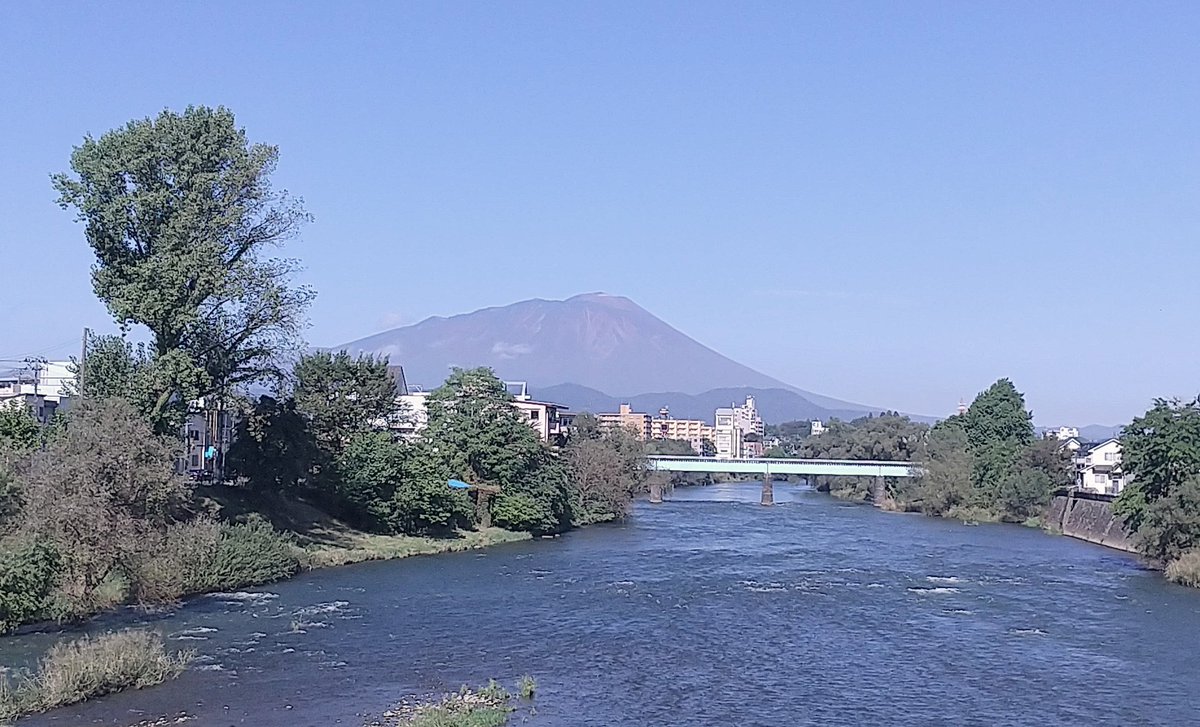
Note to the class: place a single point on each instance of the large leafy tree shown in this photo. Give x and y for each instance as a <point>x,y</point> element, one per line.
<point>394,486</point>
<point>115,367</point>
<point>944,480</point>
<point>341,395</point>
<point>605,473</point>
<point>889,436</point>
<point>1169,526</point>
<point>998,428</point>
<point>181,215</point>
<point>479,438</point>
<point>274,449</point>
<point>1161,451</point>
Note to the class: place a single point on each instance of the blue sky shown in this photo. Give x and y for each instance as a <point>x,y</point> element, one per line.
<point>893,203</point>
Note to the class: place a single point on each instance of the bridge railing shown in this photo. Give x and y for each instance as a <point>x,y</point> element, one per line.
<point>765,465</point>
<point>774,460</point>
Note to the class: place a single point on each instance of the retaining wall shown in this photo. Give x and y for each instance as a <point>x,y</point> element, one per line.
<point>1090,518</point>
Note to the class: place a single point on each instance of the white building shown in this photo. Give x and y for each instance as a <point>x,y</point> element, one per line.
<point>414,413</point>
<point>727,435</point>
<point>738,431</point>
<point>545,417</point>
<point>42,386</point>
<point>1062,433</point>
<point>746,418</point>
<point>1098,468</point>
<point>817,427</point>
<point>549,420</point>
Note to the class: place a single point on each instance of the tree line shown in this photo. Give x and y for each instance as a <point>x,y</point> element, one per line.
<point>984,464</point>
<point>329,439</point>
<point>1160,457</point>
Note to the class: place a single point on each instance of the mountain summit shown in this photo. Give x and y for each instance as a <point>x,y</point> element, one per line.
<point>604,342</point>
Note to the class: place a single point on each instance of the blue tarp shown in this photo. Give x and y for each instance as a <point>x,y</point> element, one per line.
<point>458,484</point>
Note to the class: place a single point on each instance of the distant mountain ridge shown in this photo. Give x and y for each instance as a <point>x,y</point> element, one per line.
<point>597,343</point>
<point>775,405</point>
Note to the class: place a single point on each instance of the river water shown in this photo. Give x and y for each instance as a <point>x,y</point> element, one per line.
<point>706,610</point>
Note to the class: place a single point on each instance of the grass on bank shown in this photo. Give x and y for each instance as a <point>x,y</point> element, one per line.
<point>489,706</point>
<point>1185,570</point>
<point>327,542</point>
<point>365,546</point>
<point>89,667</point>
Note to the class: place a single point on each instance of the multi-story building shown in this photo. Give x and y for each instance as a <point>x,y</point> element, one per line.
<point>748,441</point>
<point>747,418</point>
<point>817,428</point>
<point>1098,468</point>
<point>639,423</point>
<point>1062,433</point>
<point>549,420</point>
<point>727,435</point>
<point>207,433</point>
<point>692,431</point>
<point>545,417</point>
<point>42,386</point>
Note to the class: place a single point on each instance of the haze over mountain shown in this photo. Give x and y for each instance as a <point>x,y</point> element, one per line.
<point>775,405</point>
<point>605,346</point>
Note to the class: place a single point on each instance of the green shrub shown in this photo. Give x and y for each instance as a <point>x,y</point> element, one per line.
<point>90,667</point>
<point>520,511</point>
<point>251,553</point>
<point>179,565</point>
<point>428,506</point>
<point>28,573</point>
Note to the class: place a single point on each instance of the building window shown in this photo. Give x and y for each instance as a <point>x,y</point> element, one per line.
<point>1101,478</point>
<point>535,415</point>
<point>1109,457</point>
<point>195,460</point>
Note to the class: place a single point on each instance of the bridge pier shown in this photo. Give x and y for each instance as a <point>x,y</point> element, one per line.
<point>768,489</point>
<point>656,493</point>
<point>878,492</point>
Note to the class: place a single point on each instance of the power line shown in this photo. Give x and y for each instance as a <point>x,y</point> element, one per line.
<point>55,347</point>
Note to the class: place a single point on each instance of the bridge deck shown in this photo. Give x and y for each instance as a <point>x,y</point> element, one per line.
<point>827,467</point>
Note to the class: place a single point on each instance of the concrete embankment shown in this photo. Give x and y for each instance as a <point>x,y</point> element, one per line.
<point>1089,517</point>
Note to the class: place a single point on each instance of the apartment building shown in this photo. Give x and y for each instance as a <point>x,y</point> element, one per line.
<point>639,423</point>
<point>692,431</point>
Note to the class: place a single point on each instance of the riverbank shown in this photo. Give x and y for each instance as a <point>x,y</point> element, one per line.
<point>87,667</point>
<point>323,541</point>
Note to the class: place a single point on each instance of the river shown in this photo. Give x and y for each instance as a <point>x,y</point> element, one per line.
<point>706,610</point>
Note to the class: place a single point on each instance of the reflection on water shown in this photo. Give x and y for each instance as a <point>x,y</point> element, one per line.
<point>707,610</point>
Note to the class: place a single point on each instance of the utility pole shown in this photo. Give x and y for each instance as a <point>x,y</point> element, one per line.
<point>83,361</point>
<point>34,364</point>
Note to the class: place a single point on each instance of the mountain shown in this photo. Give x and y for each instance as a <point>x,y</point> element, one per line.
<point>1098,432</point>
<point>598,341</point>
<point>775,405</point>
